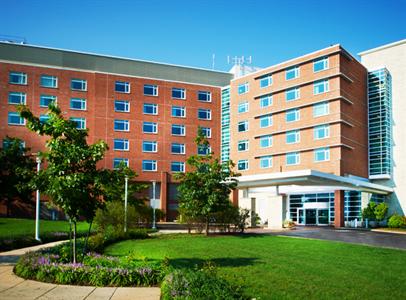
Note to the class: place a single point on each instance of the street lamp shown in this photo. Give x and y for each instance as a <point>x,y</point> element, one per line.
<point>125,203</point>
<point>38,159</point>
<point>153,204</point>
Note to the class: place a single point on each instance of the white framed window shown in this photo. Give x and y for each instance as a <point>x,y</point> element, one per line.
<point>320,109</point>
<point>117,161</point>
<point>150,90</point>
<point>149,165</point>
<point>49,81</point>
<point>80,122</point>
<point>7,143</point>
<point>45,100</point>
<point>18,78</point>
<point>243,126</point>
<point>204,114</point>
<point>320,87</point>
<point>265,162</point>
<point>121,145</point>
<point>150,109</point>
<point>149,146</point>
<point>243,107</point>
<point>122,87</point>
<point>78,84</point>
<point>292,94</point>
<point>121,106</point>
<point>292,115</point>
<point>320,64</point>
<point>321,132</point>
<point>265,141</point>
<point>265,81</point>
<point>177,166</point>
<point>178,93</point>
<point>177,148</point>
<point>150,127</point>
<point>292,158</point>
<point>243,145</point>
<point>178,111</point>
<point>14,118</point>
<point>203,150</point>
<point>265,121</point>
<point>292,73</point>
<point>178,129</point>
<point>78,104</point>
<point>265,101</point>
<point>206,132</point>
<point>17,98</point>
<point>242,165</point>
<point>121,125</point>
<point>292,137</point>
<point>43,118</point>
<point>322,154</point>
<point>204,96</point>
<point>243,88</point>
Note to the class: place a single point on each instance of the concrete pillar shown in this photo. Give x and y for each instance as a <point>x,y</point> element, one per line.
<point>338,209</point>
<point>164,192</point>
<point>253,212</point>
<point>234,197</point>
<point>275,220</point>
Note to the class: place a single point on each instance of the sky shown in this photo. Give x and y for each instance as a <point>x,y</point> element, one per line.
<point>190,32</point>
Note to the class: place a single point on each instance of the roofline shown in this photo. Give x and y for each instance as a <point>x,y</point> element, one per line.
<point>382,47</point>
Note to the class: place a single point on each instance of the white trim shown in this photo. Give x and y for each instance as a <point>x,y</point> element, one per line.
<point>382,47</point>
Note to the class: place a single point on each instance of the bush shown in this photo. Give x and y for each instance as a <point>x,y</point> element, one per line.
<point>380,211</point>
<point>396,221</point>
<point>369,211</point>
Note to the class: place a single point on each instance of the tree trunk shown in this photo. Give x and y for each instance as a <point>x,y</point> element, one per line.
<point>87,237</point>
<point>8,206</point>
<point>207,226</point>
<point>70,239</point>
<point>74,242</point>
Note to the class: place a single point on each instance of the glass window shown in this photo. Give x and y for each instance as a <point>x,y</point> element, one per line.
<point>17,98</point>
<point>45,100</point>
<point>265,162</point>
<point>320,87</point>
<point>121,106</point>
<point>78,84</point>
<point>150,127</point>
<point>243,107</point>
<point>80,122</point>
<point>265,81</point>
<point>242,126</point>
<point>292,158</point>
<point>321,132</point>
<point>243,88</point>
<point>321,154</point>
<point>203,150</point>
<point>49,81</point>
<point>122,87</point>
<point>265,121</point>
<point>18,78</point>
<point>204,114</point>
<point>178,111</point>
<point>177,166</point>
<point>43,118</point>
<point>178,93</point>
<point>78,103</point>
<point>292,73</point>
<point>320,64</point>
<point>150,90</point>
<point>265,101</point>
<point>242,145</point>
<point>149,146</point>
<point>178,129</point>
<point>177,148</point>
<point>121,125</point>
<point>292,94</point>
<point>149,165</point>
<point>242,165</point>
<point>7,143</point>
<point>118,161</point>
<point>204,96</point>
<point>15,119</point>
<point>292,115</point>
<point>265,141</point>
<point>150,109</point>
<point>206,132</point>
<point>292,137</point>
<point>320,109</point>
<point>121,145</point>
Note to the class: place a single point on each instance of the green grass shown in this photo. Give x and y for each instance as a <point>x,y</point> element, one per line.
<point>272,267</point>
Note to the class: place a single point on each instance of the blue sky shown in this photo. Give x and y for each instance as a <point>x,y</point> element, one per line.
<point>189,32</point>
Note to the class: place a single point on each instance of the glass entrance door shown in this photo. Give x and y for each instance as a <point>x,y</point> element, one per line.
<point>322,216</point>
<point>300,219</point>
<point>311,216</point>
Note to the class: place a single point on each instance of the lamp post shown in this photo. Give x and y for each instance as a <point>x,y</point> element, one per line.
<point>125,203</point>
<point>37,203</point>
<point>153,204</point>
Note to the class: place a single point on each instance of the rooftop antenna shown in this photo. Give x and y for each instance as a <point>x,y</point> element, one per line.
<point>241,62</point>
<point>12,39</point>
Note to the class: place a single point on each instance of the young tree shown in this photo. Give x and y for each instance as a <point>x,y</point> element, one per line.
<point>206,188</point>
<point>17,169</point>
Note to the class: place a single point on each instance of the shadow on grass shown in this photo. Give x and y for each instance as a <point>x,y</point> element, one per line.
<point>219,262</point>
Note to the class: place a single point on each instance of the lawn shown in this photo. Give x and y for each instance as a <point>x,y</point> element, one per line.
<point>272,267</point>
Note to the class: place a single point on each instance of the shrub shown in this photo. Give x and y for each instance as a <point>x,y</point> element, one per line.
<point>396,221</point>
<point>380,211</point>
<point>369,211</point>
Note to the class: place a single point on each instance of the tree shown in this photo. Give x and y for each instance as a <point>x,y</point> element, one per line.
<point>380,211</point>
<point>71,178</point>
<point>205,189</point>
<point>17,169</point>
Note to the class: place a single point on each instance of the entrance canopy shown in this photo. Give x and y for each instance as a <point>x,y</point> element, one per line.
<point>312,178</point>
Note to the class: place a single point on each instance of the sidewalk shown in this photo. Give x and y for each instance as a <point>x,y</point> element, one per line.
<point>14,287</point>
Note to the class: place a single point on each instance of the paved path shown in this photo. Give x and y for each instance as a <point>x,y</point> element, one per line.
<point>13,287</point>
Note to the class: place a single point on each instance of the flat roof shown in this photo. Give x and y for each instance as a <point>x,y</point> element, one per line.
<point>83,61</point>
<point>390,45</point>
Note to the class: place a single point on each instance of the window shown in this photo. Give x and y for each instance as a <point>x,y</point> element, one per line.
<point>242,126</point>
<point>203,150</point>
<point>178,93</point>
<point>243,107</point>
<point>265,81</point>
<point>122,87</point>
<point>177,148</point>
<point>292,115</point>
<point>265,162</point>
<point>121,145</point>
<point>15,119</point>
<point>149,146</point>
<point>243,88</point>
<point>17,98</point>
<point>292,94</point>
<point>45,100</point>
<point>150,90</point>
<point>43,118</point>
<point>320,64</point>
<point>321,132</point>
<point>178,129</point>
<point>121,125</point>
<point>292,158</point>
<point>242,145</point>
<point>320,109</point>
<point>178,111</point>
<point>265,121</point>
<point>118,161</point>
<point>265,101</point>
<point>18,78</point>
<point>78,84</point>
<point>292,137</point>
<point>8,143</point>
<point>242,164</point>
<point>204,96</point>
<point>321,154</point>
<point>149,165</point>
<point>292,73</point>
<point>320,87</point>
<point>150,127</point>
<point>121,106</point>
<point>80,122</point>
<point>206,132</point>
<point>78,103</point>
<point>265,141</point>
<point>177,166</point>
<point>49,81</point>
<point>204,114</point>
<point>150,109</point>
